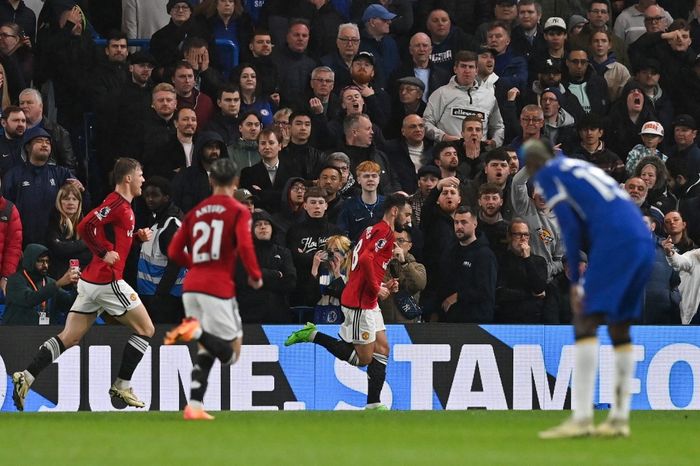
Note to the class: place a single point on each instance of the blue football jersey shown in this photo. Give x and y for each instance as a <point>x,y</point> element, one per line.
<point>594,212</point>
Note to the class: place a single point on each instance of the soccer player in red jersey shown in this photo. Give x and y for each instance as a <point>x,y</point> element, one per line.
<point>108,231</point>
<point>363,334</point>
<point>213,235</point>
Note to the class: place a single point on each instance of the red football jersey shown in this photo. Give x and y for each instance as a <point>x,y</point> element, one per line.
<point>215,232</point>
<point>108,227</point>
<point>370,258</point>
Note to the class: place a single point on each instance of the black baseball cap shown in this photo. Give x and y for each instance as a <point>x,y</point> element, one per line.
<point>429,170</point>
<point>685,120</point>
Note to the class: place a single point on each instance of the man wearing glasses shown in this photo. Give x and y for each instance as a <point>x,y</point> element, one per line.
<point>631,22</point>
<point>340,61</point>
<point>590,89</point>
<point>598,20</point>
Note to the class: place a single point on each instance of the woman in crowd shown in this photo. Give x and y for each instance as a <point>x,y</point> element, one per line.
<point>246,78</point>
<point>62,237</point>
<point>13,43</point>
<point>653,171</point>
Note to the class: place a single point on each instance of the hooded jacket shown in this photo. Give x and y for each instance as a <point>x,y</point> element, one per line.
<point>22,303</point>
<point>286,217</point>
<point>449,104</point>
<point>269,304</point>
<point>191,185</point>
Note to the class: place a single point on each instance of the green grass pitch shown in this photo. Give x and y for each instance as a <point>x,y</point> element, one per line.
<point>337,438</point>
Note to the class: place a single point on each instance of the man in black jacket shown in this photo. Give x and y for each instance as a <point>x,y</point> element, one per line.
<point>178,151</point>
<point>14,124</point>
<point>409,153</point>
<point>421,66</point>
<point>522,279</point>
<point>469,293</point>
<point>191,185</point>
<point>225,121</point>
<point>269,304</point>
<point>306,157</point>
<point>294,66</point>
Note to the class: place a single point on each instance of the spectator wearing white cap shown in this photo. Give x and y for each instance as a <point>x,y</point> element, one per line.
<point>652,134</point>
<point>555,38</point>
<point>375,39</point>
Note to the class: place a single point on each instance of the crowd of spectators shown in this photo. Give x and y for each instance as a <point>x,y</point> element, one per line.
<point>333,105</point>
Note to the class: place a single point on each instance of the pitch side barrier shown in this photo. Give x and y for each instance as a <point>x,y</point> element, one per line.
<point>431,367</point>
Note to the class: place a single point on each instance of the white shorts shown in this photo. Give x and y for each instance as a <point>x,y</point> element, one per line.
<point>115,298</point>
<point>361,325</point>
<point>217,316</point>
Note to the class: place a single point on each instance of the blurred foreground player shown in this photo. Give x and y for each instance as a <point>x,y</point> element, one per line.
<point>212,236</point>
<point>108,231</point>
<point>596,217</point>
<point>363,334</point>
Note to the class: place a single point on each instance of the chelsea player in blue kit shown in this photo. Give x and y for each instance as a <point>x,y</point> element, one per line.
<point>597,217</point>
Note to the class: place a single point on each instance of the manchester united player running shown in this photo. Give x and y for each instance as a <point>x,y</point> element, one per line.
<point>363,334</point>
<point>214,233</point>
<point>101,288</point>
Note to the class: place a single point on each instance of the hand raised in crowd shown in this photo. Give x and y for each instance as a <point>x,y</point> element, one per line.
<point>366,90</point>
<point>399,254</point>
<point>316,105</point>
<point>669,247</point>
<point>448,137</point>
<point>275,99</point>
<point>69,278</point>
<point>76,182</point>
<point>512,94</point>
<point>448,181</point>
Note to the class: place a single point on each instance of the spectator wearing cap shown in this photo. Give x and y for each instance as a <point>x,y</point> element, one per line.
<point>294,65</point>
<point>421,67</point>
<point>401,26</point>
<point>340,60</point>
<point>647,75</point>
<point>598,16</point>
<point>559,125</point>
<point>510,66</point>
<point>165,43</point>
<point>245,197</point>
<point>554,33</point>
<point>375,39</point>
<point>410,152</point>
<point>363,72</point>
<point>626,118</point>
<point>191,185</point>
<point>684,157</point>
<point>410,102</point>
<point>528,35</point>
<point>33,186</point>
<point>652,134</point>
<point>463,96</point>
<point>630,23</point>
<point>592,148</point>
<point>549,75</point>
<point>466,14</point>
<point>581,80</point>
<point>605,64</point>
<point>446,40</point>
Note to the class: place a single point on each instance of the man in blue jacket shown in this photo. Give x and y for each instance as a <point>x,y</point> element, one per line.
<point>33,186</point>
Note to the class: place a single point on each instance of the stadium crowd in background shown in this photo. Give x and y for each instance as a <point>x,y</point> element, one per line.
<point>336,104</point>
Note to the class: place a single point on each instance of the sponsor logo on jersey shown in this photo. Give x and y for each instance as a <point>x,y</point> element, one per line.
<point>103,213</point>
<point>25,183</point>
<point>467,264</point>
